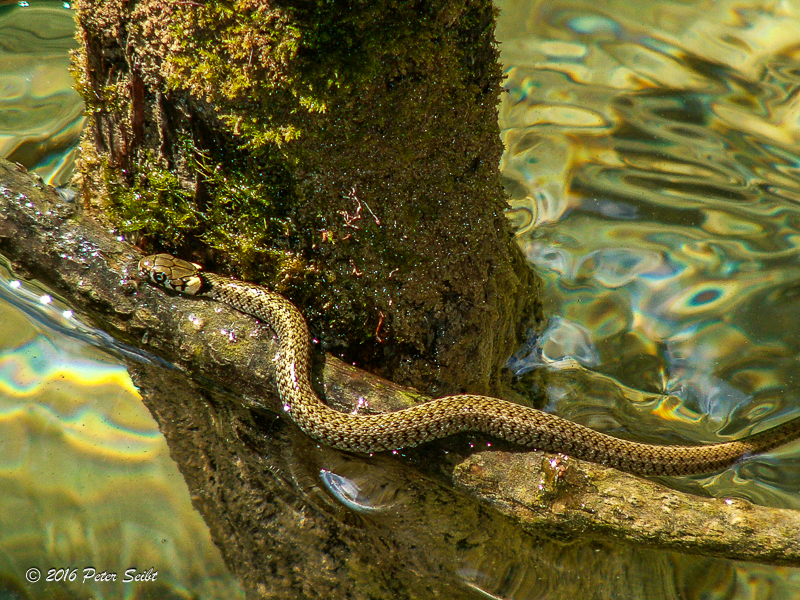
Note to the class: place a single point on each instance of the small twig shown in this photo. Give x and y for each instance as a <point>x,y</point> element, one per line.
<point>378,337</point>
<point>350,219</point>
<point>377,220</point>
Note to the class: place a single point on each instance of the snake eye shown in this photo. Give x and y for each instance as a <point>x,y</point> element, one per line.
<point>159,277</point>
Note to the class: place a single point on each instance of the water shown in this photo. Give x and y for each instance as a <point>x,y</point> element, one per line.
<point>41,116</point>
<point>86,481</point>
<point>651,160</point>
<point>651,157</point>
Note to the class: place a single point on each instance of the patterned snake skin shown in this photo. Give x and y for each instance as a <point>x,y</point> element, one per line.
<point>444,416</point>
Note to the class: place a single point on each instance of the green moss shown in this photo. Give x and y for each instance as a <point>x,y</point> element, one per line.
<point>266,76</point>
<point>239,57</point>
<point>157,203</point>
<point>238,212</point>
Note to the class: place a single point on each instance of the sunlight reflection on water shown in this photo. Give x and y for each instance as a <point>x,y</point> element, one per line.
<point>86,479</point>
<point>651,157</point>
<point>645,160</point>
<point>41,116</point>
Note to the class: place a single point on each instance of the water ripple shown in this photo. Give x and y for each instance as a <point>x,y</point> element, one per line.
<point>664,216</point>
<point>41,116</point>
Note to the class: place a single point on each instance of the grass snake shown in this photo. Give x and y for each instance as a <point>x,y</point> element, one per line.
<point>441,417</point>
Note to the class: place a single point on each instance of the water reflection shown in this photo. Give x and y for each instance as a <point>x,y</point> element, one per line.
<point>361,488</point>
<point>651,156</point>
<point>41,116</point>
<point>85,476</point>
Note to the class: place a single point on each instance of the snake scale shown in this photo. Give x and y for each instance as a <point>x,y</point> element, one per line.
<point>441,417</point>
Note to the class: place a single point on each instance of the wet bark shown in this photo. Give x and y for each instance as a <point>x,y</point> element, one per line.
<point>258,481</point>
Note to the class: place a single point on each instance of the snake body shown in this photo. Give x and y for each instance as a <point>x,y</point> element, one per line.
<point>441,417</point>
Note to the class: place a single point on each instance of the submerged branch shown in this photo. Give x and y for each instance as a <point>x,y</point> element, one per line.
<point>571,499</point>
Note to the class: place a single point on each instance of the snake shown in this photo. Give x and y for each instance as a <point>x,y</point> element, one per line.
<point>517,424</point>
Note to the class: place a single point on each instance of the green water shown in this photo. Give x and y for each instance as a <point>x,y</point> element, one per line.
<point>651,157</point>
<point>41,116</point>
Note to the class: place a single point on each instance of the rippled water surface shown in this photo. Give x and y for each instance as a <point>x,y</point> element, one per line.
<point>652,157</point>
<point>652,160</point>
<point>86,480</point>
<point>41,116</point>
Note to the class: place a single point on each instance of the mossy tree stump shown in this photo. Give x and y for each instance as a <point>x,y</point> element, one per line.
<point>344,152</point>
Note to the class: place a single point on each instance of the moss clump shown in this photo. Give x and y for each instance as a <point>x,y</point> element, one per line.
<point>239,58</point>
<point>156,203</point>
<point>231,211</point>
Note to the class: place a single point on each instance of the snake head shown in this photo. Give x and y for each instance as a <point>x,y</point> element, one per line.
<point>171,273</point>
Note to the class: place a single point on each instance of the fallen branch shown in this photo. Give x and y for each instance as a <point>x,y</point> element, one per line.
<point>571,499</point>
